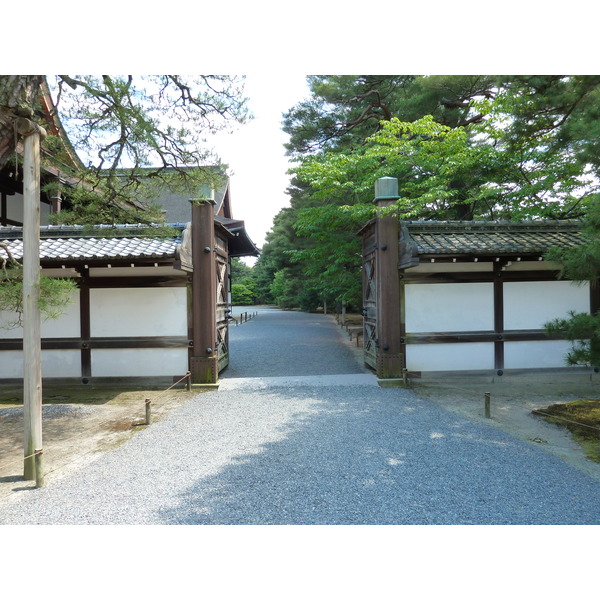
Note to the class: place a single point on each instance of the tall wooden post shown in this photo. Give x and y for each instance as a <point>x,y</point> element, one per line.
<point>204,362</point>
<point>390,360</point>
<point>32,353</point>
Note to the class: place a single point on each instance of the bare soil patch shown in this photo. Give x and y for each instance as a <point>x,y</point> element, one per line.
<point>78,425</point>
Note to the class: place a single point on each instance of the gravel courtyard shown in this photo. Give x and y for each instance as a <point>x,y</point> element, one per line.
<point>300,433</point>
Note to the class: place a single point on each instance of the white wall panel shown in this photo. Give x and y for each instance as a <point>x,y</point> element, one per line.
<point>450,357</point>
<point>67,325</point>
<point>6,320</point>
<point>55,363</point>
<point>138,312</point>
<point>140,362</point>
<point>530,304</point>
<point>449,307</point>
<point>534,355</point>
<point>61,363</point>
<point>11,364</point>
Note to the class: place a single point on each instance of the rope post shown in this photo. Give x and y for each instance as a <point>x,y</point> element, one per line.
<point>188,382</point>
<point>39,468</point>
<point>487,405</point>
<point>148,413</point>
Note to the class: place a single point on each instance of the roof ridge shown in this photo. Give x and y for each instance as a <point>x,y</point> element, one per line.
<point>500,225</point>
<point>49,231</point>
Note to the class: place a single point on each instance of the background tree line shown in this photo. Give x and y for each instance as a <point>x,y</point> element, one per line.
<point>462,147</point>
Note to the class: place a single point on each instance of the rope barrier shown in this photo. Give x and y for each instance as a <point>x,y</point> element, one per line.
<point>83,432</point>
<point>534,411</point>
<point>539,412</point>
<point>243,317</point>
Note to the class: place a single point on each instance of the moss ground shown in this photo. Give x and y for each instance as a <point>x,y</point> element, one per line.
<point>582,419</point>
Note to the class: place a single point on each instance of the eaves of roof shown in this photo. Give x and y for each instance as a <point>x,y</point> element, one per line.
<point>480,238</point>
<point>75,244</point>
<point>103,243</point>
<point>240,243</point>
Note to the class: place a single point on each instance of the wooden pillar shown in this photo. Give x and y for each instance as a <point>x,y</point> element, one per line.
<point>390,359</point>
<point>499,318</point>
<point>204,365</point>
<point>56,198</point>
<point>594,297</point>
<point>32,352</point>
<point>85,327</point>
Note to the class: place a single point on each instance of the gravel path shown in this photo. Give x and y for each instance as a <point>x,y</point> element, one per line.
<point>319,446</point>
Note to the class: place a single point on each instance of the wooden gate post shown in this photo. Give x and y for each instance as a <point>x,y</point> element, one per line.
<point>390,359</point>
<point>204,360</point>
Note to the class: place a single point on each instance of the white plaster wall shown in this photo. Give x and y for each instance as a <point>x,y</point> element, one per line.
<point>138,312</point>
<point>530,304</point>
<point>11,364</point>
<point>139,362</point>
<point>55,363</point>
<point>450,357</point>
<point>61,363</point>
<point>449,307</point>
<point>6,319</point>
<point>532,355</point>
<point>67,325</point>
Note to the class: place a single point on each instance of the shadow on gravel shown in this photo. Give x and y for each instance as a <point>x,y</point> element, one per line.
<point>395,460</point>
<point>11,479</point>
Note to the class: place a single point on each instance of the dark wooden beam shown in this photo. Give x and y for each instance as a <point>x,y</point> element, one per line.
<point>594,297</point>
<point>89,344</point>
<point>499,316</point>
<point>85,322</point>
<point>457,337</point>
<point>478,276</point>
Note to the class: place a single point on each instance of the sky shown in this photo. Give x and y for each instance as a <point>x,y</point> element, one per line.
<point>255,152</point>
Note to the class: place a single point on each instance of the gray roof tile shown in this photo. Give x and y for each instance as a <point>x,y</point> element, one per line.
<point>75,245</point>
<point>485,237</point>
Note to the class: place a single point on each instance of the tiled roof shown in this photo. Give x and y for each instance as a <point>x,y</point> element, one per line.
<point>498,237</point>
<point>77,243</point>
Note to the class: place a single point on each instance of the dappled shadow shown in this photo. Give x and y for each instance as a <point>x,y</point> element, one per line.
<point>11,478</point>
<point>395,459</point>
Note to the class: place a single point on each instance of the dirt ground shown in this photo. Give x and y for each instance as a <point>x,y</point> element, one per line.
<point>78,426</point>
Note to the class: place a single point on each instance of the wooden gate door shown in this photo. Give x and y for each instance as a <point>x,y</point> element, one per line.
<point>370,297</point>
<point>222,302</point>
